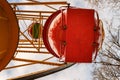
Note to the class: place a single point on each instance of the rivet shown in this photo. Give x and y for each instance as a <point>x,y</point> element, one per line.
<point>95,28</point>
<point>64,43</point>
<point>95,44</point>
<point>64,27</point>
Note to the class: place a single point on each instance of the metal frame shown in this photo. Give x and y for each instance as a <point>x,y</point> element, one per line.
<point>29,43</point>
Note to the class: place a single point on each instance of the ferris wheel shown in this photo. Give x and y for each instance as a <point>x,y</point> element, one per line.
<point>49,40</point>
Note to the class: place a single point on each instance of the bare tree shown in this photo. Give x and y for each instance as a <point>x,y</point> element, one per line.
<point>107,65</point>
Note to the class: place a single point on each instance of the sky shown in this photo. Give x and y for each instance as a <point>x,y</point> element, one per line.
<point>79,71</point>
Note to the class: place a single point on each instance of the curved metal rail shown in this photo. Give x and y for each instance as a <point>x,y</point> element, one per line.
<point>39,74</point>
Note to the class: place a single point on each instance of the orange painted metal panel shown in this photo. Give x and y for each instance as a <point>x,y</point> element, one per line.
<point>9,33</point>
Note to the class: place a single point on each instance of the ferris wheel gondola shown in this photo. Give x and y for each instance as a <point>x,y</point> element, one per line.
<point>34,30</point>
<point>9,33</point>
<point>73,34</point>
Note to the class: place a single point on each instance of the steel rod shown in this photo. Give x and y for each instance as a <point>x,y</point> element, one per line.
<point>34,15</point>
<point>19,66</point>
<point>39,3</point>
<point>28,47</point>
<point>25,51</point>
<point>34,11</point>
<point>37,61</point>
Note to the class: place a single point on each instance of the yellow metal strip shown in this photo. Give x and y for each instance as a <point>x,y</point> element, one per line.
<point>40,62</point>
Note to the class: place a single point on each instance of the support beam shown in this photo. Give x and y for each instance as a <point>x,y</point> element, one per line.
<point>24,40</point>
<point>23,18</point>
<point>28,40</point>
<point>28,47</point>
<point>39,3</point>
<point>29,19</point>
<point>41,62</point>
<point>25,51</point>
<point>33,11</point>
<point>22,65</point>
<point>34,15</point>
<point>19,66</point>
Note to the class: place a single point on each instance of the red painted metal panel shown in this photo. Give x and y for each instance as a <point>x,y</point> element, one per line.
<point>79,35</point>
<point>46,32</point>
